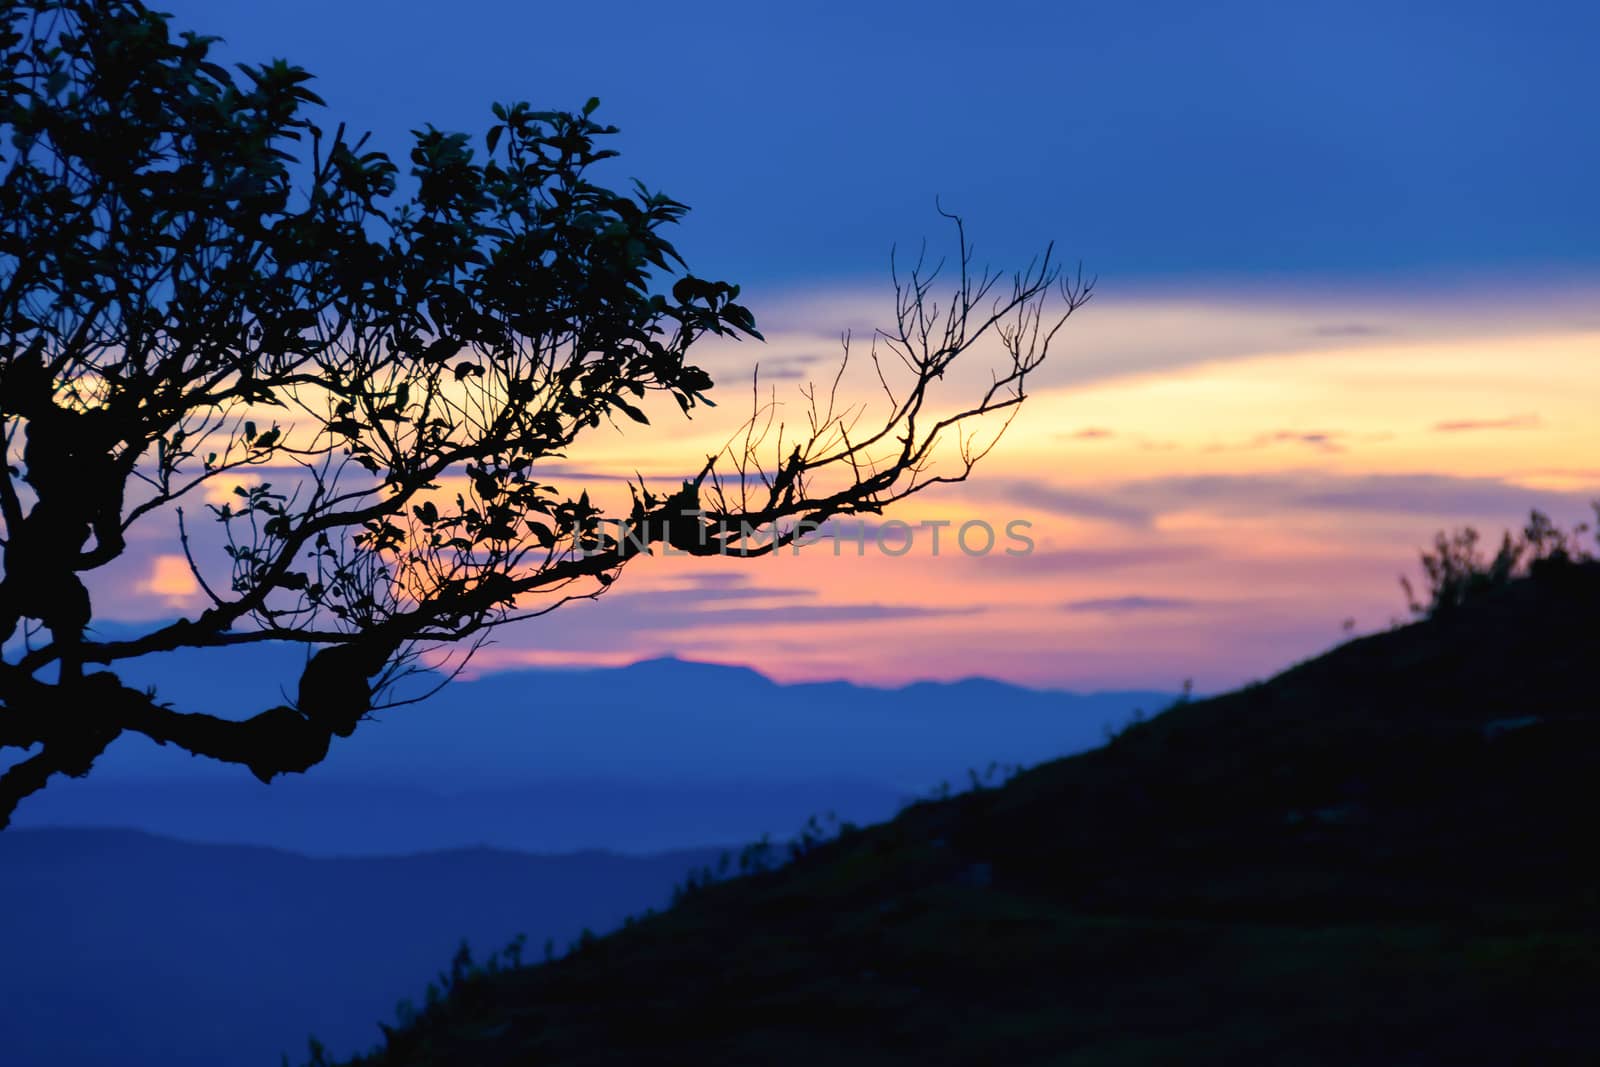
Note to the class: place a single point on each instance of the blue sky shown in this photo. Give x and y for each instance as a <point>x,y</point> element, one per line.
<point>1232,143</point>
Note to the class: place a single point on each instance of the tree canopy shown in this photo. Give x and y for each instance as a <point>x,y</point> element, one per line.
<point>197,279</point>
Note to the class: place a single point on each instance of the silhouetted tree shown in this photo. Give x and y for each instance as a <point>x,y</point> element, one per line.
<point>1457,572</point>
<point>196,278</point>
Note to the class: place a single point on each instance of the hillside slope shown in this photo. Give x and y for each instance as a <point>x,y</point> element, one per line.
<point>1378,856</point>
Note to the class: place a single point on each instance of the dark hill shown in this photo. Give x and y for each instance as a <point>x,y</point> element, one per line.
<point>1379,856</point>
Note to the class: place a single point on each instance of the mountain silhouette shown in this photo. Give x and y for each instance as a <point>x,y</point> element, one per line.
<point>128,950</point>
<point>556,760</point>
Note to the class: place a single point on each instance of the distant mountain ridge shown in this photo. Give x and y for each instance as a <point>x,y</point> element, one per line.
<point>336,819</point>
<point>123,949</point>
<point>656,720</point>
<point>665,753</point>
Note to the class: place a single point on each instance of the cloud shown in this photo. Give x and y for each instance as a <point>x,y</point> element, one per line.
<point>1124,604</point>
<point>1321,440</point>
<point>576,475</point>
<point>666,617</point>
<point>1510,422</point>
<point>796,359</point>
<point>1585,474</point>
<point>704,592</point>
<point>1423,494</point>
<point>1141,503</point>
<point>791,614</point>
<point>1092,433</point>
<point>715,578</point>
<point>1150,329</point>
<point>1099,560</point>
<point>1326,441</point>
<point>1068,502</point>
<point>1404,494</point>
<point>784,366</point>
<point>1350,329</point>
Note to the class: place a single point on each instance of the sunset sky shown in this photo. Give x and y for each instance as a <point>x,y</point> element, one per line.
<point>1348,260</point>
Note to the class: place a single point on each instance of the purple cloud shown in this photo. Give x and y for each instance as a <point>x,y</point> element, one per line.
<point>635,619</point>
<point>1350,329</point>
<point>1097,560</point>
<point>1410,494</point>
<point>1071,503</point>
<point>1123,604</point>
<point>1321,440</point>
